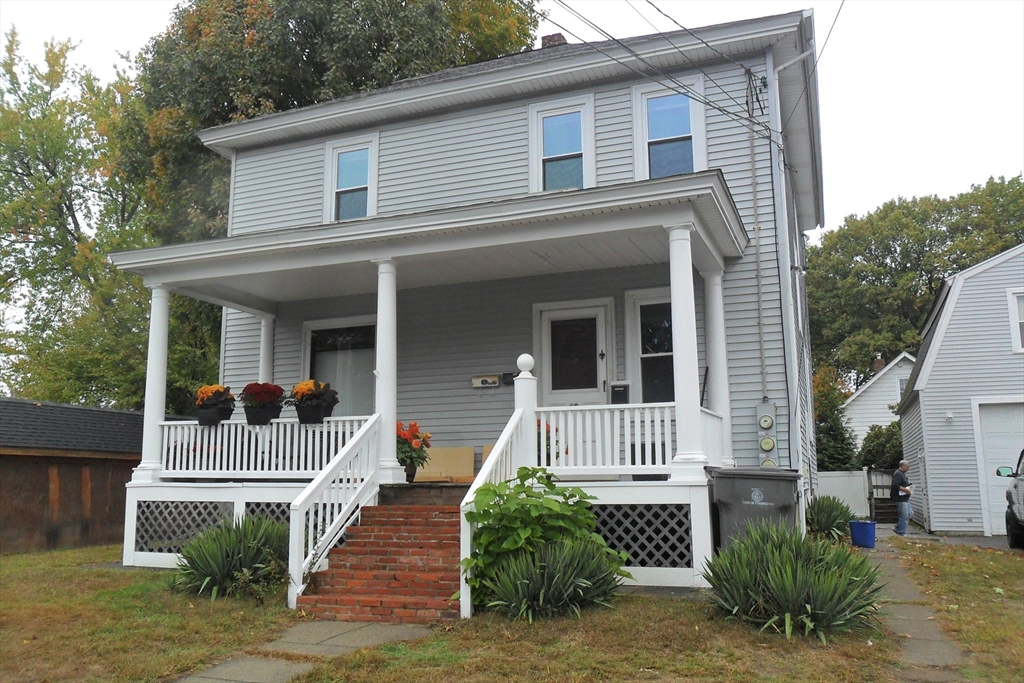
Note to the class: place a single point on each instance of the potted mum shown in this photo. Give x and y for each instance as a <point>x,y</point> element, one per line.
<point>262,402</point>
<point>313,401</point>
<point>213,404</point>
<point>412,449</point>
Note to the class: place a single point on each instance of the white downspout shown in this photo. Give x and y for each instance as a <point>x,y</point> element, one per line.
<point>790,339</point>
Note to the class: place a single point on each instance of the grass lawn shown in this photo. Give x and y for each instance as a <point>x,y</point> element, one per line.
<point>64,620</point>
<point>978,596</point>
<point>644,639</point>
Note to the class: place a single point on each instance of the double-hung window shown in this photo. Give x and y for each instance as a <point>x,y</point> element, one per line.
<point>562,144</point>
<point>350,179</point>
<point>668,131</point>
<point>1015,299</point>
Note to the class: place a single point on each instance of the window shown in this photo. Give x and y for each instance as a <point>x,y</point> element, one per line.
<point>902,385</point>
<point>649,364</point>
<point>350,179</point>
<point>1015,299</point>
<point>562,144</point>
<point>668,136</point>
<point>341,353</point>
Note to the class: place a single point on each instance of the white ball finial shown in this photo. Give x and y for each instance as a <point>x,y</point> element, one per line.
<point>525,362</point>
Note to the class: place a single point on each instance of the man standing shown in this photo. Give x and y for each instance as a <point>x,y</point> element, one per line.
<point>900,492</point>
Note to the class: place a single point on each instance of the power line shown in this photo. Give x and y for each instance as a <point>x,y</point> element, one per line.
<point>814,68</point>
<point>706,43</point>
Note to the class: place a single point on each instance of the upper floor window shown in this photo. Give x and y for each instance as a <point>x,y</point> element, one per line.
<point>902,382</point>
<point>350,179</point>
<point>668,131</point>
<point>562,144</point>
<point>1015,298</point>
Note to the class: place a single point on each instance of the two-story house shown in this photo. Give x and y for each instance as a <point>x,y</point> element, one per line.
<point>629,215</point>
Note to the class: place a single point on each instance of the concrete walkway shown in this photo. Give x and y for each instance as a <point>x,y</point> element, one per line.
<point>927,654</point>
<point>309,639</point>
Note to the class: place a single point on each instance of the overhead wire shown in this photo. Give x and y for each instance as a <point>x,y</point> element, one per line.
<point>680,87</point>
<point>815,67</point>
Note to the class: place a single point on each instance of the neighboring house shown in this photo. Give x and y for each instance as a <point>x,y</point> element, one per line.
<point>963,413</point>
<point>872,403</point>
<point>63,471</point>
<point>641,236</point>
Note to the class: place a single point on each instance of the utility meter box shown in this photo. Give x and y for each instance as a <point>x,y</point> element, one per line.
<point>767,435</point>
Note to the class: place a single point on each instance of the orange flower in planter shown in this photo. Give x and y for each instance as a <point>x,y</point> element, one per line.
<point>412,445</point>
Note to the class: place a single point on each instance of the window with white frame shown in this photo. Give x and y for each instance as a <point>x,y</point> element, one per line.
<point>562,144</point>
<point>350,179</point>
<point>1015,300</point>
<point>668,130</point>
<point>902,382</point>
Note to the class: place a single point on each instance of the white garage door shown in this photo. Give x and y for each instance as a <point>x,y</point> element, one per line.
<point>1002,438</point>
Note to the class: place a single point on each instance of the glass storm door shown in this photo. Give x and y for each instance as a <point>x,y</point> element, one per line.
<point>344,358</point>
<point>575,356</point>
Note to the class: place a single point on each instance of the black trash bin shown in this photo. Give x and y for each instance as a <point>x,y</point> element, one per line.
<point>745,494</point>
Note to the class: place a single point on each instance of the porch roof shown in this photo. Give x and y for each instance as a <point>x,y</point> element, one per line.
<point>539,233</point>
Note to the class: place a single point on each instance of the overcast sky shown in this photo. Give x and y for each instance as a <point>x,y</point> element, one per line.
<point>916,97</point>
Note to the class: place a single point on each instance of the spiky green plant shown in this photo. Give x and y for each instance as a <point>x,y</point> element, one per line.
<point>829,517</point>
<point>777,578</point>
<point>560,577</point>
<point>245,557</point>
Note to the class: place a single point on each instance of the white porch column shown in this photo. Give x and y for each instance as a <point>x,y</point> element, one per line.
<point>156,388</point>
<point>689,461</point>
<point>526,398</point>
<point>386,391</point>
<point>267,349</point>
<point>716,353</point>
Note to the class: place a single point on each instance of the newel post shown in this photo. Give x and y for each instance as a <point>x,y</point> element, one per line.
<point>526,399</point>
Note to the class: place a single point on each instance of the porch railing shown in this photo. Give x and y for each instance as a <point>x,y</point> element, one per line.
<point>284,449</point>
<point>499,466</point>
<point>331,502</point>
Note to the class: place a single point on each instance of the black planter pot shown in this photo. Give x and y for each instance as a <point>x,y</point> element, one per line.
<point>213,416</point>
<point>311,415</point>
<point>410,473</point>
<point>261,415</point>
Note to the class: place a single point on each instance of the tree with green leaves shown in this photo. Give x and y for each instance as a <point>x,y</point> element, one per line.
<point>882,448</point>
<point>835,442</point>
<point>872,282</point>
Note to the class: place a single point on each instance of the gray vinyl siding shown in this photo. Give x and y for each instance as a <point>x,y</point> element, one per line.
<point>913,446</point>
<point>241,349</point>
<point>974,358</point>
<point>482,154</point>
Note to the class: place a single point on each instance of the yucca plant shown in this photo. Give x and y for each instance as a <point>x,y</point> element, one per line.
<point>830,517</point>
<point>777,578</point>
<point>245,557</point>
<point>559,577</point>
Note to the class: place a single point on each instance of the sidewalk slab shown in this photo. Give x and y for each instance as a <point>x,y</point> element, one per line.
<point>336,638</point>
<point>250,670</point>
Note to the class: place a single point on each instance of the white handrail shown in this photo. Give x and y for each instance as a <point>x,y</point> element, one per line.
<point>331,502</point>
<point>499,466</point>
<point>283,449</point>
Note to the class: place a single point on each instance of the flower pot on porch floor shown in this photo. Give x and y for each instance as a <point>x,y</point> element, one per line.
<point>311,415</point>
<point>211,416</point>
<point>410,473</point>
<point>261,415</point>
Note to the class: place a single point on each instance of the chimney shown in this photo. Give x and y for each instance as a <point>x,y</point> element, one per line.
<point>877,364</point>
<point>554,40</point>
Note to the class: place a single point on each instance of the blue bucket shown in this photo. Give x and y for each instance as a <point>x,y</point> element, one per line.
<point>862,533</point>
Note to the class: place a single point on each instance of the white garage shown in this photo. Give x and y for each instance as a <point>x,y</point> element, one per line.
<point>999,438</point>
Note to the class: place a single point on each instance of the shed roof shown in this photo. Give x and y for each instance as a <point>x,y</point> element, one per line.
<point>59,426</point>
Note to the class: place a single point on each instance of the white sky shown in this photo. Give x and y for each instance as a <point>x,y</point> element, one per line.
<point>916,98</point>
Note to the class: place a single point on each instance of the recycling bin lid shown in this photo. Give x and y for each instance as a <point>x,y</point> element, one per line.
<point>755,473</point>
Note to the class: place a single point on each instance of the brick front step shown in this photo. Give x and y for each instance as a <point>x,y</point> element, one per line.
<point>400,565</point>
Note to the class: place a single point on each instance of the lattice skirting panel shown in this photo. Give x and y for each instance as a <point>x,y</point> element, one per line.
<point>279,512</point>
<point>164,526</point>
<point>652,535</point>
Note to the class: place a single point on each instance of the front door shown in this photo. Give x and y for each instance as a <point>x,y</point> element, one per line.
<point>575,354</point>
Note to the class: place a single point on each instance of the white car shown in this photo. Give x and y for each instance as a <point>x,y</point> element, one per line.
<point>1015,500</point>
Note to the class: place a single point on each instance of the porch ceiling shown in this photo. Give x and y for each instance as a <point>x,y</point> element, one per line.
<point>540,234</point>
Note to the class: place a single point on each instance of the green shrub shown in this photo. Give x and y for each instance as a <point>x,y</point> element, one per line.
<point>558,578</point>
<point>775,577</point>
<point>828,516</point>
<point>882,448</point>
<point>249,557</point>
<point>525,514</point>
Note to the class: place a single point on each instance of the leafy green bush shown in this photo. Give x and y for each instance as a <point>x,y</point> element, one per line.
<point>882,448</point>
<point>557,578</point>
<point>249,557</point>
<point>524,514</point>
<point>775,577</point>
<point>828,516</point>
